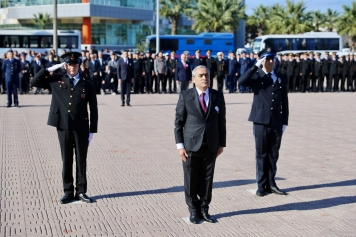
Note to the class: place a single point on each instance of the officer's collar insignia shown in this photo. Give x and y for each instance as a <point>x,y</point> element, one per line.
<point>83,96</point>
<point>72,57</point>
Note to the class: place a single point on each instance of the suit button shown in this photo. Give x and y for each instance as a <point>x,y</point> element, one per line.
<point>71,96</point>
<point>272,93</point>
<point>70,103</point>
<point>71,89</point>
<point>272,108</point>
<point>272,85</point>
<point>68,111</point>
<point>272,100</point>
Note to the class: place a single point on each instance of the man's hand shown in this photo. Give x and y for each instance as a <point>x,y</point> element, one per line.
<point>260,61</point>
<point>103,82</point>
<point>90,137</point>
<point>55,67</point>
<point>177,82</point>
<point>221,149</point>
<point>183,154</point>
<point>120,81</point>
<point>95,73</point>
<point>132,80</point>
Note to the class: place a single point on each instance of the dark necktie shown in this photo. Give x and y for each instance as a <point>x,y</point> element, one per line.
<point>72,82</point>
<point>202,102</point>
<point>270,76</point>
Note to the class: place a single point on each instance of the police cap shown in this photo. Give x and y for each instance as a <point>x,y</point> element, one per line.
<point>173,52</point>
<point>10,51</point>
<point>72,57</point>
<point>197,51</point>
<point>208,51</point>
<point>270,53</point>
<point>318,54</point>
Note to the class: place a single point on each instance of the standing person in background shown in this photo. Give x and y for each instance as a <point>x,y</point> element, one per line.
<point>11,68</point>
<point>94,72</point>
<point>148,66</point>
<point>211,65</point>
<point>352,73</point>
<point>125,74</point>
<point>325,71</point>
<point>306,72</point>
<point>269,115</point>
<point>318,66</point>
<point>291,65</point>
<point>183,74</point>
<point>24,75</point>
<point>154,75</point>
<point>2,74</point>
<point>333,73</point>
<point>36,66</point>
<point>138,73</point>
<point>29,57</point>
<point>197,60</point>
<point>245,63</point>
<point>113,64</point>
<point>221,70</point>
<point>233,72</point>
<point>161,72</point>
<point>171,66</point>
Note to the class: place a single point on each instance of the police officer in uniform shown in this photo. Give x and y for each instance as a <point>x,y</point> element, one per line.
<point>306,71</point>
<point>211,65</point>
<point>148,67</point>
<point>11,68</point>
<point>325,71</point>
<point>197,60</point>
<point>171,66</point>
<point>71,95</point>
<point>24,75</point>
<point>333,72</point>
<point>138,70</point>
<point>317,73</point>
<point>269,115</point>
<point>291,65</point>
<point>221,71</point>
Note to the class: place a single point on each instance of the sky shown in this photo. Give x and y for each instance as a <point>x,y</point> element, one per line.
<point>312,5</point>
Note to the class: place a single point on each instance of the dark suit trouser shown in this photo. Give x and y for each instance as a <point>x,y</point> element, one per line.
<point>344,79</point>
<point>148,83</point>
<point>267,142</point>
<point>137,78</point>
<point>161,79</point>
<point>322,80</point>
<point>220,80</point>
<point>24,84</point>
<point>336,82</point>
<point>198,178</point>
<point>170,79</point>
<point>290,82</point>
<point>156,83</point>
<point>125,89</point>
<point>78,141</point>
<point>232,82</point>
<point>304,82</point>
<point>12,89</point>
<point>332,77</point>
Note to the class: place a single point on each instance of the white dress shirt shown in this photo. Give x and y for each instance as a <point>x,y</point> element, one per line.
<point>76,78</point>
<point>206,99</point>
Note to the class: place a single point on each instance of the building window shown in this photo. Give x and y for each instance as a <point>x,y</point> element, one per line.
<point>189,41</point>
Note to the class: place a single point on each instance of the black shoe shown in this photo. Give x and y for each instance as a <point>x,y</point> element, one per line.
<point>67,198</point>
<point>84,198</point>
<point>8,106</point>
<point>194,217</point>
<point>123,104</point>
<point>206,217</point>
<point>261,192</point>
<point>128,103</point>
<point>17,106</point>
<point>276,190</point>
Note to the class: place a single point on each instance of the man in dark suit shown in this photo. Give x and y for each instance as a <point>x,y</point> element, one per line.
<point>11,68</point>
<point>221,71</point>
<point>233,72</point>
<point>245,63</point>
<point>183,74</point>
<point>197,60</point>
<point>94,72</point>
<point>171,65</point>
<point>125,73</point>
<point>69,114</point>
<point>269,115</point>
<point>317,73</point>
<point>24,74</point>
<point>200,134</point>
<point>37,64</point>
<point>210,64</point>
<point>290,71</point>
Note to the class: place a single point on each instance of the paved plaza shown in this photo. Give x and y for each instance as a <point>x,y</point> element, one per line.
<point>136,176</point>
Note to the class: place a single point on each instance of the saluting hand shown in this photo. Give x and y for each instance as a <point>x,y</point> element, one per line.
<point>221,149</point>
<point>183,154</point>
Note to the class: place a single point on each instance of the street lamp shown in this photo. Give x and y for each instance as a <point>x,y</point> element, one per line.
<point>55,37</point>
<point>157,26</point>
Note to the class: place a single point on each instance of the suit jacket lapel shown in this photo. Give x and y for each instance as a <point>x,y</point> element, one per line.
<point>211,101</point>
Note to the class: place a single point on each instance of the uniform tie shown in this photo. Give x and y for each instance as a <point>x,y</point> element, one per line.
<point>72,82</point>
<point>202,102</point>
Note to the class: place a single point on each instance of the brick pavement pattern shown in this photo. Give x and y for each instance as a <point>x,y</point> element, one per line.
<point>136,176</point>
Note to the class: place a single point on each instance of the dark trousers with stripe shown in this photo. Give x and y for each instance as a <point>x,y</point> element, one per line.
<point>198,178</point>
<point>267,141</point>
<point>70,142</point>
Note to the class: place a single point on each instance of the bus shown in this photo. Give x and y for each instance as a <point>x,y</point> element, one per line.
<point>311,41</point>
<point>216,42</point>
<point>40,41</point>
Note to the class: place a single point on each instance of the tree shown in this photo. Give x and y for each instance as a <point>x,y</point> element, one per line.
<point>290,20</point>
<point>173,10</point>
<point>259,19</point>
<point>317,20</point>
<point>346,23</point>
<point>42,20</point>
<point>331,18</point>
<point>218,15</point>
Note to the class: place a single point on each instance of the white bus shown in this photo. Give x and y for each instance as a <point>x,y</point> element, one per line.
<point>39,40</point>
<point>311,41</point>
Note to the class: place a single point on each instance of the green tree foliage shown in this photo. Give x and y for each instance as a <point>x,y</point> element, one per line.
<point>317,20</point>
<point>42,19</point>
<point>217,15</point>
<point>330,18</point>
<point>173,10</point>
<point>346,24</point>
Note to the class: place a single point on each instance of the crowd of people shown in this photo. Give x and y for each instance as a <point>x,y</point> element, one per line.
<point>171,73</point>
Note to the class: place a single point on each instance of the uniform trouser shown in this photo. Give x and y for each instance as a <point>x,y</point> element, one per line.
<point>198,178</point>
<point>125,89</point>
<point>349,82</point>
<point>148,82</point>
<point>296,81</point>
<point>3,83</point>
<point>137,78</point>
<point>336,82</point>
<point>290,81</point>
<point>212,75</point>
<point>97,83</point>
<point>220,81</point>
<point>155,82</point>
<point>161,78</point>
<point>322,80</point>
<point>332,78</point>
<point>170,79</point>
<point>267,142</point>
<point>312,82</point>
<point>227,81</point>
<point>78,141</point>
<point>303,82</point>
<point>142,84</point>
<point>344,79</point>
<point>12,89</point>
<point>24,84</point>
<point>232,82</point>
<point>183,86</point>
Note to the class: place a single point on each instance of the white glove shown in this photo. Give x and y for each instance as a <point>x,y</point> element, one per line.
<point>284,128</point>
<point>55,67</point>
<point>112,80</point>
<point>90,137</point>
<point>259,62</point>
